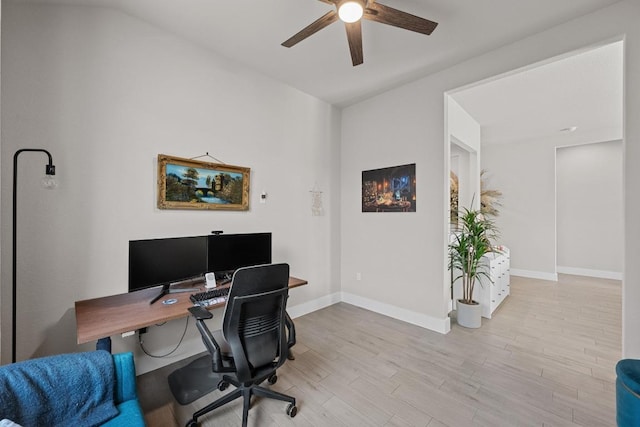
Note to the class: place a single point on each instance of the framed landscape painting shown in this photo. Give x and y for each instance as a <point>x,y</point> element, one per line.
<point>192,184</point>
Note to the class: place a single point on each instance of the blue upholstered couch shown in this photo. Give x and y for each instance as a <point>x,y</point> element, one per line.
<point>628,393</point>
<point>79,389</point>
<point>125,394</point>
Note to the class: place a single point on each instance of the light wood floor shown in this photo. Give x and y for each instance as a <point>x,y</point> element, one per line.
<point>547,358</point>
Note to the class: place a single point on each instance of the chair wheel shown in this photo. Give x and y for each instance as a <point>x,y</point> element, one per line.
<point>292,410</point>
<point>222,386</point>
<point>272,379</point>
<point>192,423</point>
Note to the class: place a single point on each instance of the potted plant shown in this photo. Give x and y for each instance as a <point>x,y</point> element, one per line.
<point>470,243</point>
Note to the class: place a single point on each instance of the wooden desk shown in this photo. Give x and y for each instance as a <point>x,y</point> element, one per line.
<point>103,317</point>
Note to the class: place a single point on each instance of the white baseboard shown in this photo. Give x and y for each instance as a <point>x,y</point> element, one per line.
<point>313,305</point>
<point>601,274</point>
<point>542,275</point>
<point>442,326</point>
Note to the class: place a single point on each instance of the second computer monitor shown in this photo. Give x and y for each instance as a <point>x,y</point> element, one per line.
<point>228,252</point>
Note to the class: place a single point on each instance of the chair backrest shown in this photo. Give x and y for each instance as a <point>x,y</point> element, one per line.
<point>254,319</point>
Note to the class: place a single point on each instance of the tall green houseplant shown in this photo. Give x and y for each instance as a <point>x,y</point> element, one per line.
<point>470,244</point>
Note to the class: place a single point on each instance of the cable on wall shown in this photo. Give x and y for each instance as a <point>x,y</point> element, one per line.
<point>158,356</point>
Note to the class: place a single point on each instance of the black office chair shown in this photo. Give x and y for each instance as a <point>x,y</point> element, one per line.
<point>253,342</point>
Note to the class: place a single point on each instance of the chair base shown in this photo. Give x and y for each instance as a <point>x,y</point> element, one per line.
<point>245,391</point>
<point>193,381</point>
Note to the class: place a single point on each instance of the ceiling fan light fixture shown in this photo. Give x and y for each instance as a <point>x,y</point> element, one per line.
<point>350,11</point>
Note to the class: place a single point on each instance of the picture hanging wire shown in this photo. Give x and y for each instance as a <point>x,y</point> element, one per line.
<point>206,154</point>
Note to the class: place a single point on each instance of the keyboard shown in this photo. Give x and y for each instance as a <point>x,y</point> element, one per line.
<point>210,297</point>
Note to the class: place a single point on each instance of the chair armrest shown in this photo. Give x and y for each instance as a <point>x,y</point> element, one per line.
<point>291,329</point>
<point>200,314</point>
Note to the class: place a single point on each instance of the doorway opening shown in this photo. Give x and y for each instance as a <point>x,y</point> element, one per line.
<point>524,116</point>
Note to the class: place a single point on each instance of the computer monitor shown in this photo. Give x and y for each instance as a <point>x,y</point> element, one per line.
<point>228,252</point>
<point>156,262</point>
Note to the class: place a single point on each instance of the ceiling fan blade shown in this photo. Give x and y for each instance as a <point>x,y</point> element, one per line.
<point>328,18</point>
<point>387,15</point>
<point>354,35</point>
<point>327,2</point>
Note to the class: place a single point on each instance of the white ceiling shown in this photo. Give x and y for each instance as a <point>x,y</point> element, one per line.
<point>583,90</point>
<point>251,31</point>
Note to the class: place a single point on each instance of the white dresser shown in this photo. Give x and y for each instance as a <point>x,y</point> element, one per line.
<point>493,292</point>
<point>490,293</point>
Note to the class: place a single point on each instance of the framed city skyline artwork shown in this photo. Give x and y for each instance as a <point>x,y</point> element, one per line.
<point>192,184</point>
<point>391,189</point>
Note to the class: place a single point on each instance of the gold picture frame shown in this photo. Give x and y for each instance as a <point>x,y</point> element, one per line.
<point>192,184</point>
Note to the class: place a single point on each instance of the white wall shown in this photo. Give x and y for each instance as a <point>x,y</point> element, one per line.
<point>462,126</point>
<point>416,127</point>
<point>106,93</point>
<point>590,209</point>
<point>525,173</point>
<point>465,134</point>
<point>402,273</point>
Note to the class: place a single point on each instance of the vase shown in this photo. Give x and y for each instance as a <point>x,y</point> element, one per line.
<point>468,315</point>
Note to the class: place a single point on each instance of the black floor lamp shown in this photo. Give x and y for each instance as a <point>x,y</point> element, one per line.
<point>48,182</point>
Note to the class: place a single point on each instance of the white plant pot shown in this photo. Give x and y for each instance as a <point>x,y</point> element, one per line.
<point>469,315</point>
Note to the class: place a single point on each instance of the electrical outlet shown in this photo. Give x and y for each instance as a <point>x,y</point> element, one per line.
<point>358,276</point>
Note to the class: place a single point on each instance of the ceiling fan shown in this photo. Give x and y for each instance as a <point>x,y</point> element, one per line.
<point>351,12</point>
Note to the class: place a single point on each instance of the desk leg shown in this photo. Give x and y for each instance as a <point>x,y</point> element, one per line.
<point>104,344</point>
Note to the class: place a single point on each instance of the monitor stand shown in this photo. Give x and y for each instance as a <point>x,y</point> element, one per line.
<point>167,289</point>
